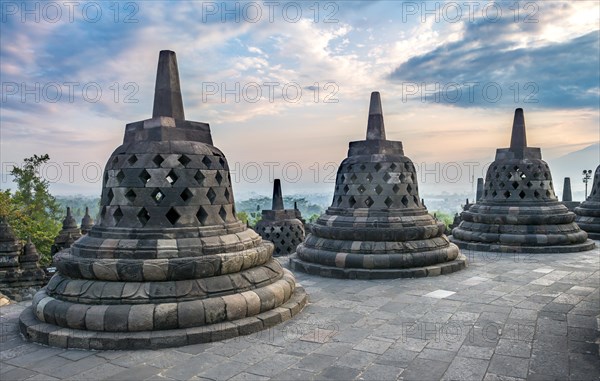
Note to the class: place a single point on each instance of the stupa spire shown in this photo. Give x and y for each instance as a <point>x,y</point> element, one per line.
<point>167,93</point>
<point>375,126</point>
<point>518,139</point>
<point>277,197</point>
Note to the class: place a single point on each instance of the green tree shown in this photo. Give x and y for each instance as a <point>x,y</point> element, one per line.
<point>32,211</point>
<point>446,218</point>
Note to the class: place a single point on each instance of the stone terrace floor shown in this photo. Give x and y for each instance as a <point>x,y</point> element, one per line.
<point>508,317</point>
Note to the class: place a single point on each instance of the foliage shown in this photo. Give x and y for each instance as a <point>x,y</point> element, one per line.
<point>446,218</point>
<point>32,211</point>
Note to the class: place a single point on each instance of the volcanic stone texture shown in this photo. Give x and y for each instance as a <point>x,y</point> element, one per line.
<point>588,213</point>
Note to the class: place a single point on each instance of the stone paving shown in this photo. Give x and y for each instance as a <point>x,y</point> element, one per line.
<point>506,317</point>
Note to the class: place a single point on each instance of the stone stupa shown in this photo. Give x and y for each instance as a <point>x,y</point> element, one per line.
<point>67,235</point>
<point>588,212</point>
<point>87,223</point>
<point>377,225</point>
<point>519,211</point>
<point>20,273</point>
<point>567,195</point>
<point>168,263</point>
<point>281,226</point>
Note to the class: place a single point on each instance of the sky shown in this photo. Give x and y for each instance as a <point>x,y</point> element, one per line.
<point>285,85</point>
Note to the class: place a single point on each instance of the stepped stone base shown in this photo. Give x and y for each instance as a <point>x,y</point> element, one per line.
<point>48,334</point>
<point>457,264</point>
<point>499,248</point>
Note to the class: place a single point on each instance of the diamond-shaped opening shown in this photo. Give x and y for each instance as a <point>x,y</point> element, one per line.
<point>361,189</point>
<point>522,194</point>
<point>502,185</point>
<point>223,213</point>
<point>378,189</point>
<point>130,195</point>
<point>548,194</point>
<point>369,177</point>
<point>494,193</point>
<point>103,212</point>
<point>184,160</point>
<point>211,195</point>
<point>506,194</point>
<point>529,184</point>
<point>346,188</point>
<point>396,188</point>
<point>369,201</point>
<point>362,167</point>
<point>416,200</point>
<point>349,168</point>
<point>158,160</point>
<point>402,177</point>
<point>542,185</point>
<point>206,161</point>
<point>145,176</point>
<point>536,194</point>
<point>515,184</point>
<point>222,162</point>
<point>393,166</point>
<point>120,176</point>
<point>117,214</point>
<point>352,201</point>
<point>132,160</point>
<point>143,216</point>
<point>202,215</point>
<point>219,177</point>
<point>353,177</point>
<point>172,177</point>
<point>409,188</point>
<point>157,195</point>
<point>227,194</point>
<point>388,202</point>
<point>199,176</point>
<point>115,160</point>
<point>110,195</point>
<point>186,195</point>
<point>105,177</point>
<point>386,177</point>
<point>404,201</point>
<point>173,216</point>
<point>339,200</point>
<point>378,167</point>
<point>546,175</point>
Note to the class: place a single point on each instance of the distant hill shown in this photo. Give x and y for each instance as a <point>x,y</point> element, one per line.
<point>571,165</point>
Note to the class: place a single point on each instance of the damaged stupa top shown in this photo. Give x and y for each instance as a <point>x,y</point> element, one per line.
<point>519,211</point>
<point>281,226</point>
<point>168,262</point>
<point>377,225</point>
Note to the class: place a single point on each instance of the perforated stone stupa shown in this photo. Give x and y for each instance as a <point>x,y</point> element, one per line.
<point>519,211</point>
<point>377,226</point>
<point>168,263</point>
<point>281,226</point>
<point>588,213</point>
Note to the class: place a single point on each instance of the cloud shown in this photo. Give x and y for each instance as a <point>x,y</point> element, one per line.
<point>509,63</point>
